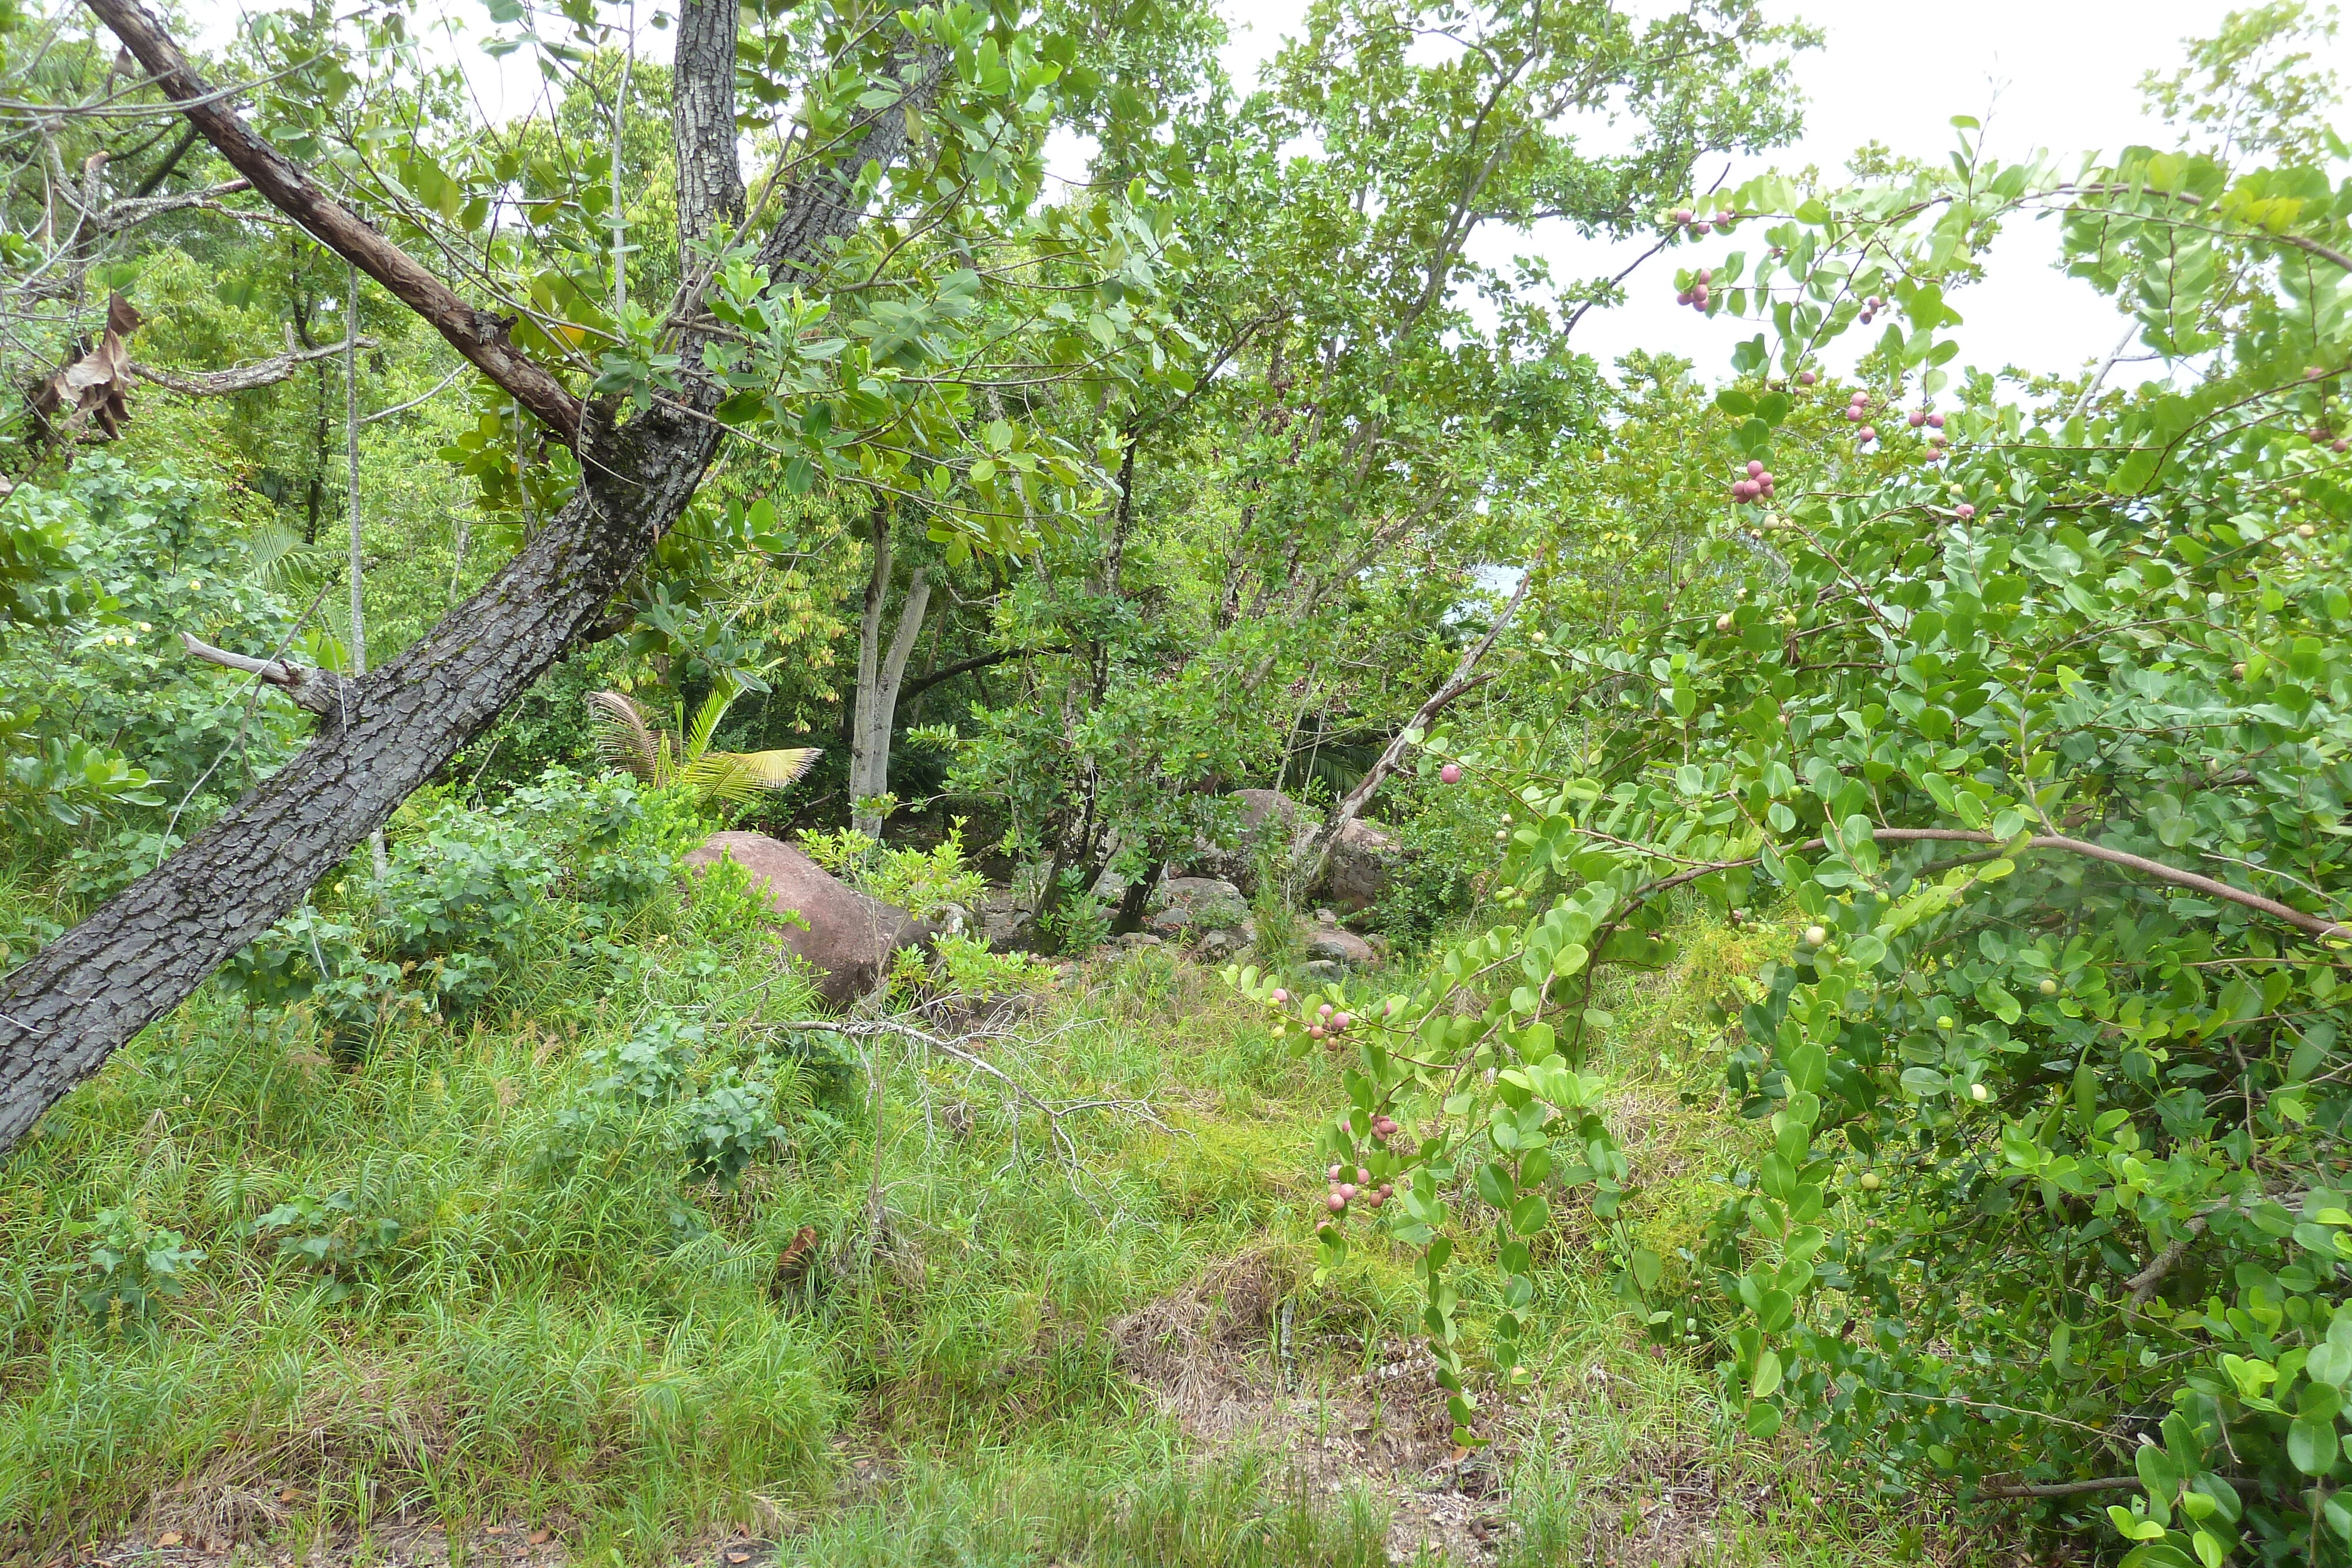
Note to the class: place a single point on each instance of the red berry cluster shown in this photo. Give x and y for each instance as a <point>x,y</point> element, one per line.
<point>1698,224</point>
<point>1756,485</point>
<point>1695,295</point>
<point>1350,1182</point>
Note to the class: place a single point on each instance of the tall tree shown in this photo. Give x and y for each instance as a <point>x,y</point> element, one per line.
<point>932,116</point>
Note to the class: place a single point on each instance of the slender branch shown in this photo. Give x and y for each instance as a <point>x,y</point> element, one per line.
<point>1319,852</point>
<point>2295,917</point>
<point>2061,1489</point>
<point>926,681</point>
<point>240,378</point>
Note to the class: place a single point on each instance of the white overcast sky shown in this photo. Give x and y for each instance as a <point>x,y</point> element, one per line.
<point>2060,74</point>
<point>2056,74</point>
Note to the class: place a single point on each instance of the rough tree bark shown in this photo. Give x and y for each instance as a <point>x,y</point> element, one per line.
<point>63,1012</point>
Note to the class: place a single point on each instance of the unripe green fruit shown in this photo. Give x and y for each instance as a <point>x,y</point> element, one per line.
<point>1978,1093</point>
<point>2049,987</point>
<point>1816,935</point>
<point>1870,1182</point>
<point>1945,1021</point>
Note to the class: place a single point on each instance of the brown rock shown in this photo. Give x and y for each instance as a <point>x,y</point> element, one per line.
<point>1363,861</point>
<point>849,937</point>
<point>1271,822</point>
<point>1331,941</point>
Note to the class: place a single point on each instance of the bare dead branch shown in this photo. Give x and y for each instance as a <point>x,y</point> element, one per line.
<point>321,691</point>
<point>239,378</point>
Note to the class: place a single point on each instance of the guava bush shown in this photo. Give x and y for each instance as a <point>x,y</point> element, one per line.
<point>2030,719</point>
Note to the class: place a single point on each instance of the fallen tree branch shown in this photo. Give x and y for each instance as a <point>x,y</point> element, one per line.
<point>321,691</point>
<point>867,1029</point>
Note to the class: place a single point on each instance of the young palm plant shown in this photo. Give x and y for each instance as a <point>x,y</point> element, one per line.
<point>681,756</point>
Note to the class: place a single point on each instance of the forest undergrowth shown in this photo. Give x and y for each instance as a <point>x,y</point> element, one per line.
<point>479,1290</point>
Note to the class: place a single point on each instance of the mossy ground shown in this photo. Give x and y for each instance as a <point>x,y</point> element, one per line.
<point>1112,1350</point>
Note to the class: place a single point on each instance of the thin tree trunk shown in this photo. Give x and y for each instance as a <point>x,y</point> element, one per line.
<point>883,711</point>
<point>619,217</point>
<point>1318,858</point>
<point>65,1010</point>
<point>351,505</point>
<point>863,818</point>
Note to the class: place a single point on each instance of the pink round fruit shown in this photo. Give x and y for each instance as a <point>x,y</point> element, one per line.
<point>1755,469</point>
<point>1867,433</point>
<point>1387,1189</point>
<point>1376,1199</point>
<point>1853,413</point>
<point>1449,774</point>
<point>1324,1011</point>
<point>1335,1203</point>
<point>1805,378</point>
<point>1682,215</point>
<point>1936,420</point>
<point>1698,297</point>
<point>1316,1031</point>
<point>1363,1176</point>
<point>1916,419</point>
<point>2339,445</point>
<point>1703,278</point>
<point>1334,1172</point>
<point>1701,229</point>
<point>1341,1020</point>
<point>1964,511</point>
<point>1346,1190</point>
<point>1280,996</point>
<point>1684,298</point>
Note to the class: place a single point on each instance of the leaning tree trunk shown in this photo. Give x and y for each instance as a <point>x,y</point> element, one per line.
<point>67,1010</point>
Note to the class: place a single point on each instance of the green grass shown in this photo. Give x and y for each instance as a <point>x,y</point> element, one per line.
<point>571,1331</point>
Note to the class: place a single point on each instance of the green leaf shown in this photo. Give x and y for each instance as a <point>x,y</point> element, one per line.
<point>2312,1445</point>
<point>1925,1082</point>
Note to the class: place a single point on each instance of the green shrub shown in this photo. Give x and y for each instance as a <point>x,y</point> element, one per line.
<point>138,1265</point>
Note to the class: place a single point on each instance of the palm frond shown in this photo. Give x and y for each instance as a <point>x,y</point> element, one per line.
<point>706,722</point>
<point>776,769</point>
<point>623,737</point>
<point>282,561</point>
